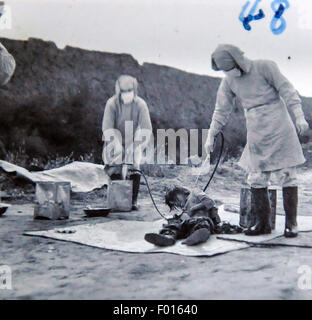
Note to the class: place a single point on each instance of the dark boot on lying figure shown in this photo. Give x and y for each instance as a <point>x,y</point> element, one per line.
<point>163,239</point>
<point>197,237</point>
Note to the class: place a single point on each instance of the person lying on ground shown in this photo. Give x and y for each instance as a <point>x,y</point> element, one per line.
<point>198,220</point>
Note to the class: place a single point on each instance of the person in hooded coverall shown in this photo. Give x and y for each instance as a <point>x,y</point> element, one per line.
<point>128,139</point>
<point>7,65</point>
<point>272,142</point>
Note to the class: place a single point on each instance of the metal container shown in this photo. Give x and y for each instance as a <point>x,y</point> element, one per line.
<point>97,212</point>
<point>3,208</point>
<point>247,217</point>
<point>119,195</point>
<point>52,200</point>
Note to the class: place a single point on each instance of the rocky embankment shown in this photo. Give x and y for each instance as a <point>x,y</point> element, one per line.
<point>55,101</point>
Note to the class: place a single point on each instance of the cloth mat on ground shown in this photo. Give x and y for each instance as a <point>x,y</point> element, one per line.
<point>128,236</point>
<point>303,240</point>
<point>83,176</point>
<point>304,225</point>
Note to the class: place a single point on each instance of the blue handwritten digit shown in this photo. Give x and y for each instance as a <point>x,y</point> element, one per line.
<point>251,16</point>
<point>279,7</point>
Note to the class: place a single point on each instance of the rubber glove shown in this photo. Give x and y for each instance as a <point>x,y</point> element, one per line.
<point>116,157</point>
<point>210,140</point>
<point>302,125</point>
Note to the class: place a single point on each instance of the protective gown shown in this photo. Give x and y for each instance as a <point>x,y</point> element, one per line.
<point>265,94</point>
<point>116,114</point>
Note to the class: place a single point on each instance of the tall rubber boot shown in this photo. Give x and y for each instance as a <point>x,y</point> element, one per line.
<point>290,202</point>
<point>163,239</point>
<point>136,178</point>
<point>263,212</point>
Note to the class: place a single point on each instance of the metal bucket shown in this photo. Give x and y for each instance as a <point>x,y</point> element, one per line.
<point>52,200</point>
<point>247,216</point>
<point>119,195</point>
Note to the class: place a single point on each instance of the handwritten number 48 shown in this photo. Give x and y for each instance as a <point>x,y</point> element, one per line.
<point>278,23</point>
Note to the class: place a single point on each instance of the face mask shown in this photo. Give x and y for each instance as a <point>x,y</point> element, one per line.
<point>127,97</point>
<point>233,73</point>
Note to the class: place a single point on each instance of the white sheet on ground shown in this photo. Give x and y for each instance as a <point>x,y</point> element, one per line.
<point>304,224</point>
<point>83,176</point>
<point>128,236</point>
<point>302,240</point>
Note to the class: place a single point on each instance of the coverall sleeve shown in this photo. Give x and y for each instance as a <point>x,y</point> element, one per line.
<point>224,107</point>
<point>205,200</point>
<point>284,87</point>
<point>144,117</point>
<point>2,47</point>
<point>108,121</point>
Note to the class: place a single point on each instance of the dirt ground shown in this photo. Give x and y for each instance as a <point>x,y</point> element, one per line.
<point>50,269</point>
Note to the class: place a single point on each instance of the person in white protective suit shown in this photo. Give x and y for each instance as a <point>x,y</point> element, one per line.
<point>272,142</point>
<point>128,115</point>
<point>7,65</point>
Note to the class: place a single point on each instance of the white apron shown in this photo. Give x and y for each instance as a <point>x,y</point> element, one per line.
<point>272,141</point>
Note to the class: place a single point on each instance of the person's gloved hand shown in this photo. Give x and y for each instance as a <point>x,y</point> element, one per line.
<point>302,125</point>
<point>134,153</point>
<point>117,152</point>
<point>110,157</point>
<point>210,141</point>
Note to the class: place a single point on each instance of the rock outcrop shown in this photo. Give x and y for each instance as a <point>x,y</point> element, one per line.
<point>55,101</point>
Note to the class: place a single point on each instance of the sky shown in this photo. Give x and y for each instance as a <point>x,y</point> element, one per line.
<point>176,33</point>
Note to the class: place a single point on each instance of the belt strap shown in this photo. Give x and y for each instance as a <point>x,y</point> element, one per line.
<point>263,104</point>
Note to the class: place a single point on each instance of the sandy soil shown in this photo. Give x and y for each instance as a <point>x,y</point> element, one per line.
<point>49,269</point>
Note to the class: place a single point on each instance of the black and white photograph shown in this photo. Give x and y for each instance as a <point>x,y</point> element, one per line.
<point>155,150</point>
